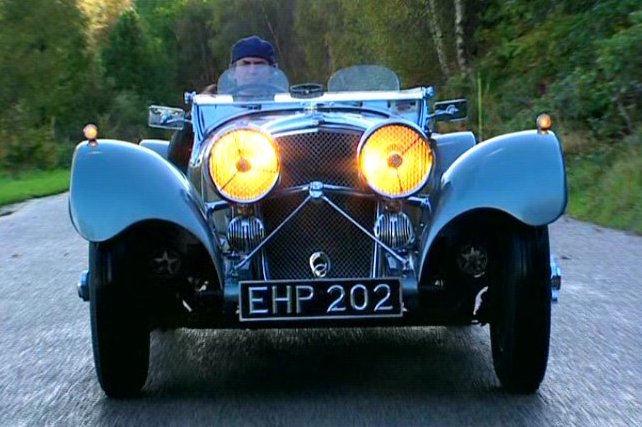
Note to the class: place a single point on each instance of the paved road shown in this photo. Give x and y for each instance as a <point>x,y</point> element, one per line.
<point>339,377</point>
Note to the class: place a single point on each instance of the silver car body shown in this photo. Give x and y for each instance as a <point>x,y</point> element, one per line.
<point>116,185</point>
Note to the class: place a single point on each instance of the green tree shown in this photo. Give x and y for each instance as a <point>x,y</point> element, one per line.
<point>620,60</point>
<point>199,64</point>
<point>48,82</point>
<point>100,16</point>
<point>45,72</point>
<point>128,58</point>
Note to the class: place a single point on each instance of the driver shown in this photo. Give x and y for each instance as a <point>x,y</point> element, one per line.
<point>251,59</point>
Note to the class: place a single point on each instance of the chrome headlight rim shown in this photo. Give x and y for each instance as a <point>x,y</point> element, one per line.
<point>395,122</point>
<point>216,137</point>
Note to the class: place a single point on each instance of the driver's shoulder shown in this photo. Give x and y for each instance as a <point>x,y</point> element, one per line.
<point>210,89</point>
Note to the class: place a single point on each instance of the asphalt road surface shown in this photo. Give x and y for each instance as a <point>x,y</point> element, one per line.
<point>337,377</point>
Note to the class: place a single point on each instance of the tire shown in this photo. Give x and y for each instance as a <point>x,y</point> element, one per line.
<point>119,324</point>
<point>521,310</point>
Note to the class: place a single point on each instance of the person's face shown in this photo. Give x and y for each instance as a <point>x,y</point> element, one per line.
<point>251,70</point>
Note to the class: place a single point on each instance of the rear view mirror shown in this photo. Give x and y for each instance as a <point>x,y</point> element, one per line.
<point>166,117</point>
<point>450,111</point>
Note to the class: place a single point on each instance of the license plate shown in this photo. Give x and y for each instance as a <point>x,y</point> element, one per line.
<point>319,299</point>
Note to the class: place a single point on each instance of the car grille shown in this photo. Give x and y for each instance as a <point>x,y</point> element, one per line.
<point>319,228</point>
<point>329,157</point>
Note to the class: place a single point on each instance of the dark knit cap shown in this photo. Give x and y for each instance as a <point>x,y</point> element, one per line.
<point>253,46</point>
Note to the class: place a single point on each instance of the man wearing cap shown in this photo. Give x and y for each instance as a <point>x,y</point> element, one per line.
<point>251,62</point>
<point>249,57</point>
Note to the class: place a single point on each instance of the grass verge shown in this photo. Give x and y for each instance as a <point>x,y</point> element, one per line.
<point>33,184</point>
<point>606,188</point>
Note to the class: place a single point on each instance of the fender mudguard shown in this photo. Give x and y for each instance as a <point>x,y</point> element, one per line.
<point>159,146</point>
<point>521,174</point>
<point>116,184</point>
<point>450,147</point>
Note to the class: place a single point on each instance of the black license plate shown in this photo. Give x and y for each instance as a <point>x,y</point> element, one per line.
<point>320,299</point>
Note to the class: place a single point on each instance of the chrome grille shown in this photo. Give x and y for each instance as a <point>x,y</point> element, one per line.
<point>318,227</point>
<point>328,156</point>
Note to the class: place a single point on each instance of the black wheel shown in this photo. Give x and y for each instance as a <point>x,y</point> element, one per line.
<point>119,324</point>
<point>521,309</point>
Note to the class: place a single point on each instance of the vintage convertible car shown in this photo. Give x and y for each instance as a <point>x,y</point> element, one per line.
<point>305,207</point>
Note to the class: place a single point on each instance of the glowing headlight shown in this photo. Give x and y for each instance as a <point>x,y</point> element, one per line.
<point>244,165</point>
<point>395,159</point>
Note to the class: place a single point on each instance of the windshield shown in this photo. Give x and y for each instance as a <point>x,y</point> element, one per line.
<point>363,78</point>
<point>252,81</point>
<point>259,81</point>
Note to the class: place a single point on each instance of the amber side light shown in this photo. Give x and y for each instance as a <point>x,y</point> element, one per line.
<point>544,123</point>
<point>90,131</point>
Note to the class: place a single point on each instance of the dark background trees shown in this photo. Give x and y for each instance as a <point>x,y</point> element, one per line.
<point>67,62</point>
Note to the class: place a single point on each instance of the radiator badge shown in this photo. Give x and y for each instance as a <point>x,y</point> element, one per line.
<point>319,264</point>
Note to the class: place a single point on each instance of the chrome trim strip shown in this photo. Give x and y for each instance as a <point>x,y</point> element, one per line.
<point>210,208</point>
<point>407,94</point>
<point>348,191</point>
<point>325,121</point>
<point>337,189</point>
<point>216,206</point>
<point>421,201</point>
<point>264,266</point>
<point>323,118</point>
<point>289,191</point>
<point>375,256</point>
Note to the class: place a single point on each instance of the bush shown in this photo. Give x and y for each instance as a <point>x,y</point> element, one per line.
<point>606,186</point>
<point>620,61</point>
<point>26,147</point>
<point>126,118</point>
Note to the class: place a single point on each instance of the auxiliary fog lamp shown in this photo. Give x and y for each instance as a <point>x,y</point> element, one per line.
<point>244,165</point>
<point>395,159</point>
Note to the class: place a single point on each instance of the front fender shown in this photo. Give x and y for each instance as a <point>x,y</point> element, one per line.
<point>520,173</point>
<point>116,184</point>
<point>159,146</point>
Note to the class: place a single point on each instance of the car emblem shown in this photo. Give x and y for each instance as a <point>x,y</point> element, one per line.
<point>319,264</point>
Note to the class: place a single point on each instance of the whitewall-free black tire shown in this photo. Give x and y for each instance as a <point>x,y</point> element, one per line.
<point>119,324</point>
<point>521,309</point>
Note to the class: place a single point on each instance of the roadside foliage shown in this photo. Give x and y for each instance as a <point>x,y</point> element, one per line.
<point>104,61</point>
